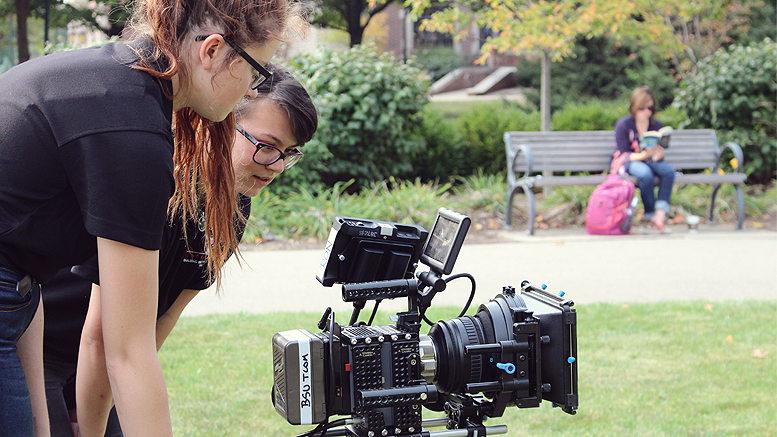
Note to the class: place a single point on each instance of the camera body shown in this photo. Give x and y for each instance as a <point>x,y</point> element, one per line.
<point>517,350</point>
<point>373,373</point>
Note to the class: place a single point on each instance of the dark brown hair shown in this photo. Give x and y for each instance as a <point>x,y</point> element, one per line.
<point>288,94</point>
<point>204,176</point>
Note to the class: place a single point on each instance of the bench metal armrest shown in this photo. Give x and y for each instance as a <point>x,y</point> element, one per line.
<point>513,155</point>
<point>738,155</point>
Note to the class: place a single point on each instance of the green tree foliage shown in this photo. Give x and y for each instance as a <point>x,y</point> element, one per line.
<point>107,16</point>
<point>763,24</point>
<point>683,31</point>
<point>735,93</point>
<point>370,116</point>
<point>602,68</point>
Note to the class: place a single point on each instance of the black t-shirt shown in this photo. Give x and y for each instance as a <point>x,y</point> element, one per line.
<point>181,266</point>
<point>86,151</point>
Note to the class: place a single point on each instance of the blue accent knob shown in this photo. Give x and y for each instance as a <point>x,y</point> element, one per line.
<point>507,367</point>
<point>561,293</point>
<point>571,360</point>
<point>543,286</point>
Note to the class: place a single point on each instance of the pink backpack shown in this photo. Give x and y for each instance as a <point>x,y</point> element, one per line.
<point>608,206</point>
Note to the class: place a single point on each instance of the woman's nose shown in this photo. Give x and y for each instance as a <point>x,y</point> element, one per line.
<point>277,166</point>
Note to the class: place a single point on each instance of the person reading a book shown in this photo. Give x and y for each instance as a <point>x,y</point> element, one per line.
<point>646,163</point>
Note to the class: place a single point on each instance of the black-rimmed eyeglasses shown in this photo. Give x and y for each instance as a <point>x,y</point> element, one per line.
<point>267,154</point>
<point>262,73</point>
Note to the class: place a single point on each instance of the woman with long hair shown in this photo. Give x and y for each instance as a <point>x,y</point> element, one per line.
<point>272,128</point>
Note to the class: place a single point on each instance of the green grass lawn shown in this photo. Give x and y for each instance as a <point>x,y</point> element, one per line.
<point>453,109</point>
<point>664,369</point>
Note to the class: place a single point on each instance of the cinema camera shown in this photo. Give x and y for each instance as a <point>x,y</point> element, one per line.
<point>517,350</point>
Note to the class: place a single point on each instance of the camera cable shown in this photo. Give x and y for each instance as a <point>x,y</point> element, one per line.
<point>469,301</point>
<point>321,429</point>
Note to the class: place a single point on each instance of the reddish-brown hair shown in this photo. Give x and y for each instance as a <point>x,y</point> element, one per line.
<point>204,176</point>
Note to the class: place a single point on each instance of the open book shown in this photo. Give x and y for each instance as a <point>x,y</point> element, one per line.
<point>660,137</point>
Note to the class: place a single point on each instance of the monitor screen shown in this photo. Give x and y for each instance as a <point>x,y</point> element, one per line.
<point>360,250</point>
<point>445,240</point>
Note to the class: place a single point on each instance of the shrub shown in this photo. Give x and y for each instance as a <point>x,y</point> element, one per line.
<point>482,128</point>
<point>444,154</point>
<point>594,115</point>
<point>370,115</point>
<point>602,115</point>
<point>672,116</point>
<point>557,100</point>
<point>734,93</point>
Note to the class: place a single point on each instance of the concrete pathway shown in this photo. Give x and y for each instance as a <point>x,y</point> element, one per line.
<point>716,264</point>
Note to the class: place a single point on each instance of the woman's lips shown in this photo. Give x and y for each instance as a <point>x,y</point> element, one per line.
<point>262,181</point>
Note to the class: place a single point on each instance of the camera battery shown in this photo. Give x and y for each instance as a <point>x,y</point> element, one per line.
<point>298,368</point>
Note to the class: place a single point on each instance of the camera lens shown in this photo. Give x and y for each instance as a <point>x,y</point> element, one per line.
<point>455,368</point>
<point>491,325</point>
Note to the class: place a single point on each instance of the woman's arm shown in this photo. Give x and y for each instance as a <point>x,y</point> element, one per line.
<point>625,137</point>
<point>651,152</point>
<point>128,307</point>
<point>30,351</point>
<point>167,321</point>
<point>93,388</point>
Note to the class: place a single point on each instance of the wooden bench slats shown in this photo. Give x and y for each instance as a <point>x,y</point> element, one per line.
<point>597,164</point>
<point>711,179</point>
<point>562,181</point>
<point>560,153</point>
<point>680,179</point>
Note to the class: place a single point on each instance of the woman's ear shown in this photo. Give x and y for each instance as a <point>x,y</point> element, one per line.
<point>210,49</point>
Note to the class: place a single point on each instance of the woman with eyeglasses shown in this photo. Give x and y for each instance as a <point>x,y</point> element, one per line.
<point>274,126</point>
<point>90,165</point>
<point>648,164</point>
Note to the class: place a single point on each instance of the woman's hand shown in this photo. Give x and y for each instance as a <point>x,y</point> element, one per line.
<point>658,152</point>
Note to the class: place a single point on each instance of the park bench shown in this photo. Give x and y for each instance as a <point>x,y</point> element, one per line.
<point>556,159</point>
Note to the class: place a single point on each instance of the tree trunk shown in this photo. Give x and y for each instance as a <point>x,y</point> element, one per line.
<point>22,12</point>
<point>545,93</point>
<point>353,18</point>
<point>545,107</point>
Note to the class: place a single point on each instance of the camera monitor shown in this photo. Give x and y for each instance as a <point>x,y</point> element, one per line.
<point>360,250</point>
<point>442,248</point>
